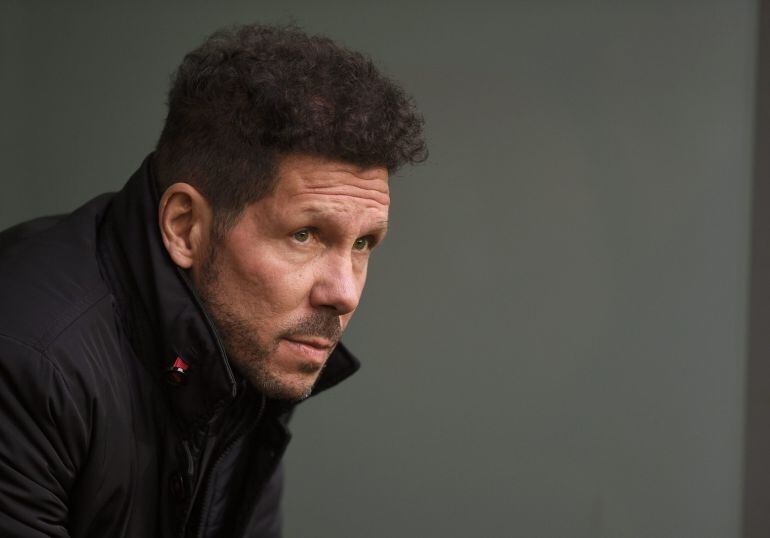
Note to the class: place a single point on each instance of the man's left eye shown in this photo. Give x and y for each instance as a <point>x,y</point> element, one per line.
<point>302,235</point>
<point>362,243</point>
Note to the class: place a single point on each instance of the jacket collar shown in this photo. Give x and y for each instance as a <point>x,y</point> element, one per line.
<point>163,315</point>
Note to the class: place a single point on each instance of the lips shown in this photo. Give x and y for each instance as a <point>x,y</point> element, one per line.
<point>314,342</point>
<point>312,352</point>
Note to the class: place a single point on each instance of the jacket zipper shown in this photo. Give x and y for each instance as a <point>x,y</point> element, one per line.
<point>222,352</point>
<point>212,469</point>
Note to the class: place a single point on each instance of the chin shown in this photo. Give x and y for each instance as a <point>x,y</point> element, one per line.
<point>282,374</point>
<point>282,388</point>
<point>288,393</point>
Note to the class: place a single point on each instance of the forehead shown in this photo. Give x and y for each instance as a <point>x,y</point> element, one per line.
<point>305,179</point>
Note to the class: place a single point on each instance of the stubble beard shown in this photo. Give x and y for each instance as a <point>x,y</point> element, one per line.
<point>247,352</point>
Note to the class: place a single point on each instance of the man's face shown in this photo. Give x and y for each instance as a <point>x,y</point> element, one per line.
<point>283,283</point>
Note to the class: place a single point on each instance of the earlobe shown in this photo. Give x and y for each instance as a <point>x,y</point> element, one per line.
<point>183,215</point>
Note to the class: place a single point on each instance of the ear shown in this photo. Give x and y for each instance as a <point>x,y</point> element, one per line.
<point>185,218</point>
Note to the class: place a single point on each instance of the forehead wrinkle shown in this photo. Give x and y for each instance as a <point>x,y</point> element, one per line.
<point>381,198</point>
<point>348,189</point>
<point>352,175</point>
<point>352,181</point>
<point>374,184</point>
<point>336,209</point>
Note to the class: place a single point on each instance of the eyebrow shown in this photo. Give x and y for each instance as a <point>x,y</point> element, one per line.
<point>380,226</point>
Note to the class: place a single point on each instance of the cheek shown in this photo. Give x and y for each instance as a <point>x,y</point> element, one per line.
<point>279,291</point>
<point>263,277</point>
<point>361,277</point>
<point>273,285</point>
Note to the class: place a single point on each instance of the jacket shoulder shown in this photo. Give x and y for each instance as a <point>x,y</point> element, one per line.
<point>50,275</point>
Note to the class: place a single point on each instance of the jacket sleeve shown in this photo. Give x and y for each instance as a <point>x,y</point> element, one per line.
<point>43,440</point>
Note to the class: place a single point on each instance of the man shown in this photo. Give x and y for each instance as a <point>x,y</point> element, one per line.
<point>154,342</point>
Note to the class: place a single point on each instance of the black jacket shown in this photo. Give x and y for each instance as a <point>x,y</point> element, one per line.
<point>94,441</point>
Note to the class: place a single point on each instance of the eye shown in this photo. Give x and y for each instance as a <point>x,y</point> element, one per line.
<point>302,236</point>
<point>362,243</point>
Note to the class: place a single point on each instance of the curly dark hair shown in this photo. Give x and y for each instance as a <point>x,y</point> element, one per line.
<point>250,94</point>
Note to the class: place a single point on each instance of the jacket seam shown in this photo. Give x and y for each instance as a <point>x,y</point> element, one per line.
<point>28,345</point>
<point>41,354</point>
<point>57,327</point>
<point>42,351</point>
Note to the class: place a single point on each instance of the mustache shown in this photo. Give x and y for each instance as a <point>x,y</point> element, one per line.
<point>319,324</point>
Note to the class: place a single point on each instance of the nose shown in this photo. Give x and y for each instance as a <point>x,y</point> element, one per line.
<point>338,285</point>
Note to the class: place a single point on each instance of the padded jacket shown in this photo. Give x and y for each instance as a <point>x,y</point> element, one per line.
<point>99,434</point>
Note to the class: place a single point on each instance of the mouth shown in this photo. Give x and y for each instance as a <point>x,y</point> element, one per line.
<point>312,341</point>
<point>314,349</point>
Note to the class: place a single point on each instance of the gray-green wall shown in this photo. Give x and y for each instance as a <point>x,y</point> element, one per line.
<point>554,335</point>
